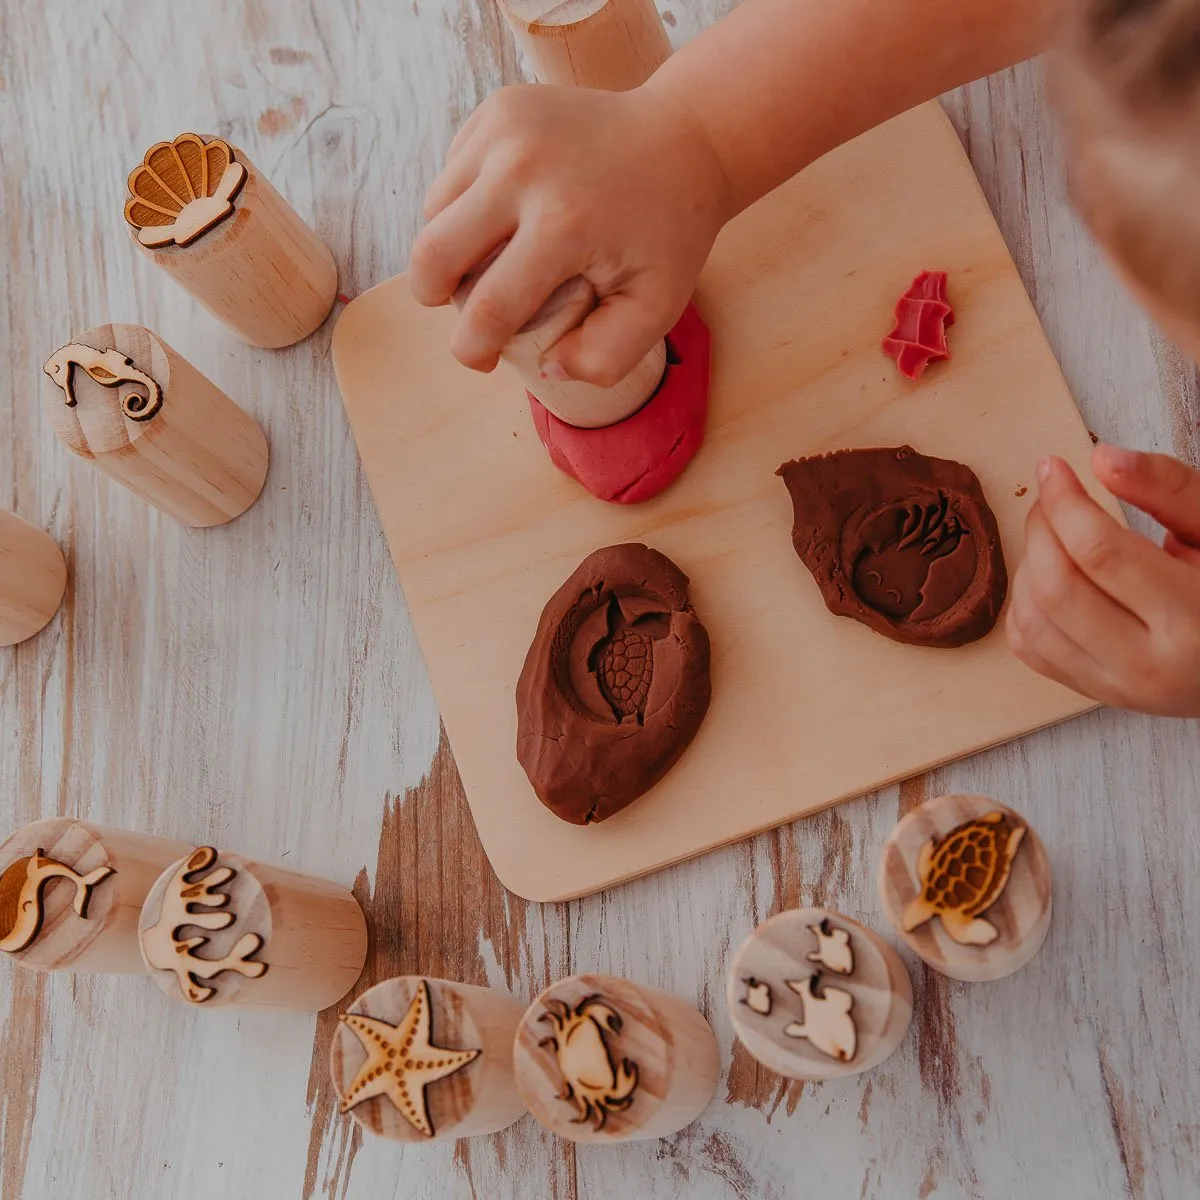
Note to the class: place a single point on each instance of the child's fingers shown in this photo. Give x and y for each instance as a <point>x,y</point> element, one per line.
<point>456,241</point>
<point>1041,645</point>
<point>456,177</point>
<point>1185,552</point>
<point>613,340</point>
<point>1068,599</point>
<point>509,292</point>
<point>1115,559</point>
<point>1165,488</point>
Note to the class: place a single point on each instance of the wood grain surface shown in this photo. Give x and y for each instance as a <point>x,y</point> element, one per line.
<point>259,684</point>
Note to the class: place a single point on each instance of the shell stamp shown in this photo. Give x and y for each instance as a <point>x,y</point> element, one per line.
<point>966,883</point>
<point>183,189</point>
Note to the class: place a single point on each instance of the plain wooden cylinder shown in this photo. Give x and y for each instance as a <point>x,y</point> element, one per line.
<point>104,940</point>
<point>601,1059</point>
<point>262,272</point>
<point>311,934</point>
<point>33,578</point>
<point>201,459</point>
<point>614,45</point>
<point>815,995</point>
<point>979,907</point>
<point>393,1095</point>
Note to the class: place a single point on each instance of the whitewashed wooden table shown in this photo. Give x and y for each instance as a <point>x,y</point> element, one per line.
<point>259,685</point>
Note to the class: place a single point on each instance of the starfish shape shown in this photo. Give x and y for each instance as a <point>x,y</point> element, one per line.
<point>402,1061</point>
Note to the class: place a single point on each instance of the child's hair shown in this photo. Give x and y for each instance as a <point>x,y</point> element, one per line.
<point>1129,85</point>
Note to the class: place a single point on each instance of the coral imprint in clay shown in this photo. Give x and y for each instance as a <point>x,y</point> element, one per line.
<point>903,543</point>
<point>639,457</point>
<point>923,314</point>
<point>615,684</point>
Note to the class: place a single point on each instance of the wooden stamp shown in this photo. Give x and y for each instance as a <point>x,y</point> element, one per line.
<point>614,45</point>
<point>417,1059</point>
<point>120,396</point>
<point>217,929</point>
<point>966,883</point>
<point>71,893</point>
<point>814,995</point>
<point>33,578</point>
<point>601,1059</point>
<point>201,210</point>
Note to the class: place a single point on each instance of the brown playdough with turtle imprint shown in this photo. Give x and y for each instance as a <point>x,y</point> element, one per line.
<point>901,542</point>
<point>615,685</point>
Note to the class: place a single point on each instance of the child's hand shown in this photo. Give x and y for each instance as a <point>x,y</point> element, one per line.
<point>1098,607</point>
<point>613,186</point>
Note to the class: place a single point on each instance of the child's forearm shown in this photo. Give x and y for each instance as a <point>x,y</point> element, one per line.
<point>852,65</point>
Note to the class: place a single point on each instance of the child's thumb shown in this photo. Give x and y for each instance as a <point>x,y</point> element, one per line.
<point>610,343</point>
<point>1163,487</point>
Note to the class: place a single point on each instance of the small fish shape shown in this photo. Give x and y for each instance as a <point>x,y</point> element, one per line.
<point>827,1023</point>
<point>22,896</point>
<point>758,996</point>
<point>833,948</point>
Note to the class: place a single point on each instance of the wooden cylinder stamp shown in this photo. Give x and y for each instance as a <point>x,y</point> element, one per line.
<point>71,893</point>
<point>218,929</point>
<point>615,45</point>
<point>120,396</point>
<point>601,1059</point>
<point>814,995</point>
<point>417,1059</point>
<point>201,210</point>
<point>33,579</point>
<point>966,883</point>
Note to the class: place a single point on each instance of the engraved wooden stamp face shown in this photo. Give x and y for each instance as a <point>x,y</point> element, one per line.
<point>22,896</point>
<point>402,1061</point>
<point>192,898</point>
<point>183,189</point>
<point>593,1080</point>
<point>814,995</point>
<point>110,369</point>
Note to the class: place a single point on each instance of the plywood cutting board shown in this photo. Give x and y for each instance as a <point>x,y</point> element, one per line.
<point>808,709</point>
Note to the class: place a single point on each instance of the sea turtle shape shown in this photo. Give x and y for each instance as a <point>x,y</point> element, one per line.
<point>963,874</point>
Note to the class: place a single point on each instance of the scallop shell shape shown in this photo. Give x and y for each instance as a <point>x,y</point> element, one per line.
<point>182,190</point>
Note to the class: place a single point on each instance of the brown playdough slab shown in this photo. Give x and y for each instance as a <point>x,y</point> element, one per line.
<point>901,542</point>
<point>614,686</point>
<point>806,710</point>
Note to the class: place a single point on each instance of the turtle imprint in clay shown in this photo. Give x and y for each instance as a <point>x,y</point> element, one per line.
<point>963,874</point>
<point>615,684</point>
<point>903,543</point>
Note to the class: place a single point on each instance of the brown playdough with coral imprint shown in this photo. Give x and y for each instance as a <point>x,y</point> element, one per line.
<point>615,684</point>
<point>903,543</point>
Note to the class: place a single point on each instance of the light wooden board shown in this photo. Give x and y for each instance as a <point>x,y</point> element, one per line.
<point>261,684</point>
<point>807,709</point>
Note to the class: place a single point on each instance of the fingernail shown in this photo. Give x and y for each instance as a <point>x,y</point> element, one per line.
<point>1119,459</point>
<point>556,372</point>
<point>1045,469</point>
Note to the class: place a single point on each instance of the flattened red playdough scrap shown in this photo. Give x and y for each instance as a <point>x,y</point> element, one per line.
<point>923,314</point>
<point>637,458</point>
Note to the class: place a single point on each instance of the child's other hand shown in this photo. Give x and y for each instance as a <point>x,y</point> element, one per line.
<point>619,187</point>
<point>1101,609</point>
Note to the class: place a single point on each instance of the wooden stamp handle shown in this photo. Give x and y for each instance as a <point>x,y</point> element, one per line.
<point>33,578</point>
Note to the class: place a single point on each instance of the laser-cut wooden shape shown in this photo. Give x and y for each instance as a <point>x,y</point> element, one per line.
<point>182,190</point>
<point>239,249</point>
<point>417,1059</point>
<point>184,447</point>
<point>71,893</point>
<point>601,1059</point>
<point>294,941</point>
<point>966,883</point>
<point>823,1022</point>
<point>33,579</point>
